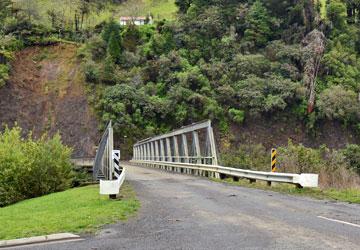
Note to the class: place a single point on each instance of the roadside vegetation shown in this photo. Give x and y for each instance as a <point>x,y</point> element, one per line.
<point>229,61</point>
<point>336,168</point>
<point>30,168</point>
<point>78,210</point>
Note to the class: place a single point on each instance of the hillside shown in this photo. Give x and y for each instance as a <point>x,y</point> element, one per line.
<point>263,71</point>
<point>42,11</point>
<point>46,94</point>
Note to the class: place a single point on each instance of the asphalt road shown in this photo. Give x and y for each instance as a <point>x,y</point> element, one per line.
<point>186,212</point>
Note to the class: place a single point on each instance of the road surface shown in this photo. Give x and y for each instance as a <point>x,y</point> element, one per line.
<point>186,212</point>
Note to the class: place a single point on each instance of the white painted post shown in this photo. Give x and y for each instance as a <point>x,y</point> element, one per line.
<point>168,149</point>
<point>196,145</point>
<point>110,152</point>
<point>151,151</point>
<point>156,150</point>
<point>162,155</point>
<point>212,145</point>
<point>176,149</point>
<point>185,148</point>
<point>142,147</point>
<point>148,153</point>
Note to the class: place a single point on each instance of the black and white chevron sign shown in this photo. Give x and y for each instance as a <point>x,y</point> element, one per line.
<point>116,159</point>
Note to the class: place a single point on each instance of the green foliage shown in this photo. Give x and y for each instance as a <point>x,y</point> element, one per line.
<point>336,13</point>
<point>248,156</point>
<point>221,60</point>
<point>92,71</point>
<point>4,74</point>
<point>266,95</point>
<point>334,171</point>
<point>111,27</point>
<point>236,115</point>
<point>352,156</point>
<point>339,103</point>
<point>114,49</point>
<point>31,168</point>
<point>258,24</point>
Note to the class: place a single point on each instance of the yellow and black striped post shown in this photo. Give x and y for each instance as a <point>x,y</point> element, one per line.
<point>273,160</point>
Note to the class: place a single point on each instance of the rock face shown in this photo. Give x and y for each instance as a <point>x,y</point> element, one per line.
<point>46,94</point>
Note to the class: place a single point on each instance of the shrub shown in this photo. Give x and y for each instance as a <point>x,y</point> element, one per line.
<point>339,103</point>
<point>331,165</point>
<point>91,71</point>
<point>31,168</point>
<point>247,156</point>
<point>352,156</point>
<point>4,74</point>
<point>236,115</point>
<point>299,159</point>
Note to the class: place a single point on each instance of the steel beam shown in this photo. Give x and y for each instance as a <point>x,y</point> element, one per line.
<point>168,149</point>
<point>176,149</point>
<point>183,130</point>
<point>162,153</point>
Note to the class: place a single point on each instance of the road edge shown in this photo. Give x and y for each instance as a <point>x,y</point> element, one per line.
<point>39,240</point>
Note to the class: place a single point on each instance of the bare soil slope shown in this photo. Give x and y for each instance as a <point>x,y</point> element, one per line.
<point>46,94</point>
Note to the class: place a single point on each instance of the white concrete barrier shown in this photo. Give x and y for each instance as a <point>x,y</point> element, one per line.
<point>112,187</point>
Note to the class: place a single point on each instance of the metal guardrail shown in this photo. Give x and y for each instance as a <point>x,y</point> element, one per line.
<point>103,163</point>
<point>300,180</point>
<point>110,174</point>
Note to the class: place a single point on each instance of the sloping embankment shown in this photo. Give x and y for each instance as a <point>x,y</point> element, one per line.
<point>46,94</point>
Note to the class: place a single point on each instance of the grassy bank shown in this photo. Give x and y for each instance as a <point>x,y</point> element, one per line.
<point>345,195</point>
<point>76,210</point>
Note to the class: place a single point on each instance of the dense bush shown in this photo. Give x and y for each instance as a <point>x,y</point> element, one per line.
<point>338,103</point>
<point>352,156</point>
<point>249,156</point>
<point>31,168</point>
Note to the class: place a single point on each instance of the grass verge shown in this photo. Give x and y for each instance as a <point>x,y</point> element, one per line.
<point>345,195</point>
<point>78,210</point>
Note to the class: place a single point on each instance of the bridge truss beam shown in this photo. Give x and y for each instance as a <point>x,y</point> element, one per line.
<point>175,146</point>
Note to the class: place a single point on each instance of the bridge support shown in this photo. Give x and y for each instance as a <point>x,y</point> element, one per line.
<point>174,147</point>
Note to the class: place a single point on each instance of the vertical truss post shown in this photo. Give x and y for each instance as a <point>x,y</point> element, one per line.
<point>110,149</point>
<point>162,155</point>
<point>176,149</point>
<point>148,152</point>
<point>185,148</point>
<point>213,153</point>
<point>168,149</point>
<point>156,150</point>
<point>142,148</point>
<point>196,147</point>
<point>152,158</point>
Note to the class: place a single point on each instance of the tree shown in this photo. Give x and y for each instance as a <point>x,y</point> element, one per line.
<point>114,48</point>
<point>109,28</point>
<point>336,13</point>
<point>257,21</point>
<point>338,103</point>
<point>314,47</point>
<point>183,5</point>
<point>5,10</point>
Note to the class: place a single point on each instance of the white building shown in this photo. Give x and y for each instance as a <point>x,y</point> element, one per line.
<point>140,20</point>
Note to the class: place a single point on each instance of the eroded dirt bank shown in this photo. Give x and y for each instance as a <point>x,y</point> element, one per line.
<point>46,94</point>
